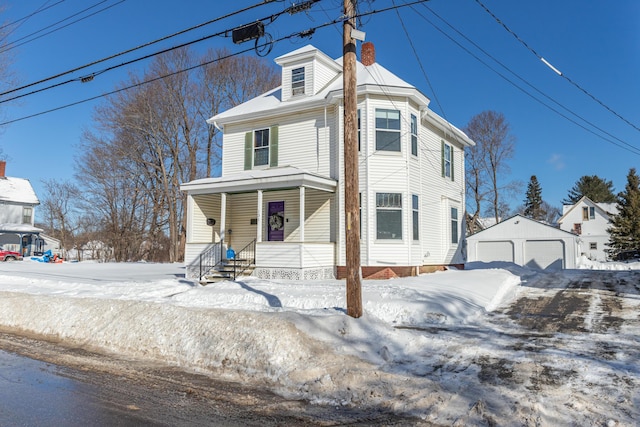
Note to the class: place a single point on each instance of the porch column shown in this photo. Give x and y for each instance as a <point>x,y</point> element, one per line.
<point>302,214</point>
<point>259,219</point>
<point>223,216</point>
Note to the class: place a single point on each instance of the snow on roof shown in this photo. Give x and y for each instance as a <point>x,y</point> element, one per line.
<point>20,228</point>
<point>17,190</point>
<point>606,208</point>
<point>372,76</point>
<point>279,177</point>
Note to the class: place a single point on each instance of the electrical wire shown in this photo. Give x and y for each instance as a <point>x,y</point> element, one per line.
<point>305,33</point>
<point>131,50</point>
<point>516,75</point>
<point>26,18</point>
<point>558,72</point>
<point>625,145</point>
<point>14,44</point>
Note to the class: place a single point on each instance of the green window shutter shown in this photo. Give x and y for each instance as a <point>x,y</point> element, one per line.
<point>442,158</point>
<point>273,146</point>
<point>452,161</point>
<point>248,150</point>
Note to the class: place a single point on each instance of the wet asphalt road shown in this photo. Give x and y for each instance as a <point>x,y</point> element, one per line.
<point>43,384</point>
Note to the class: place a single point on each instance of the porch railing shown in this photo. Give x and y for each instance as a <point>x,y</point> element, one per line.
<point>209,259</point>
<point>244,259</point>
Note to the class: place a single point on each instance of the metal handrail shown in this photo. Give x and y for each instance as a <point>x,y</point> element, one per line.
<point>210,259</point>
<point>244,259</point>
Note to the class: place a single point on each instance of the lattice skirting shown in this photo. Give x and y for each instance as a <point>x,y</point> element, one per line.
<point>320,273</point>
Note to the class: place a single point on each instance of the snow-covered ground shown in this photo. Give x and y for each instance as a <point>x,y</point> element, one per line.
<point>442,346</point>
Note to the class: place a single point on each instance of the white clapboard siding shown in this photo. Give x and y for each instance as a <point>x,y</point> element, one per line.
<point>205,206</point>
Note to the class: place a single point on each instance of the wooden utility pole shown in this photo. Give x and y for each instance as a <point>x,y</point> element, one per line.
<point>351,184</point>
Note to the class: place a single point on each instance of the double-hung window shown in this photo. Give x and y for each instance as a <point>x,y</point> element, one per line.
<point>387,130</point>
<point>27,214</point>
<point>454,225</point>
<point>297,81</point>
<point>389,216</point>
<point>588,212</point>
<point>415,216</point>
<point>414,135</point>
<point>261,147</point>
<point>447,161</point>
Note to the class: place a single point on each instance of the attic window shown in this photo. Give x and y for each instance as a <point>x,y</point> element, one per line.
<point>297,81</point>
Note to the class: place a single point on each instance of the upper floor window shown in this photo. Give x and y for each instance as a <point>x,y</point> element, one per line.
<point>297,81</point>
<point>387,130</point>
<point>414,135</point>
<point>27,214</point>
<point>588,212</point>
<point>447,161</point>
<point>389,216</point>
<point>261,147</point>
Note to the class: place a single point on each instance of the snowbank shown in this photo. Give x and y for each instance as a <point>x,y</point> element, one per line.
<point>292,336</point>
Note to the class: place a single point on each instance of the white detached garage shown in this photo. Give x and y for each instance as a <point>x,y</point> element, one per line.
<point>524,242</point>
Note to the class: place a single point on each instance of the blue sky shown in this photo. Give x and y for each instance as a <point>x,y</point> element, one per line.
<point>437,46</point>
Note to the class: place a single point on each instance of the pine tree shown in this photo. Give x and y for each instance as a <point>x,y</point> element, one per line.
<point>533,202</point>
<point>595,188</point>
<point>624,233</point>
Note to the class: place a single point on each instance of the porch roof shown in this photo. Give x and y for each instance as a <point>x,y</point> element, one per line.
<point>19,228</point>
<point>263,179</point>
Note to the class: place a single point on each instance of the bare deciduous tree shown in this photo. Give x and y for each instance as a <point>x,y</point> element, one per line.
<point>156,137</point>
<point>487,163</point>
<point>59,209</point>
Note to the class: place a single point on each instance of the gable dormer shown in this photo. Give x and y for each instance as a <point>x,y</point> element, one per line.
<point>305,72</point>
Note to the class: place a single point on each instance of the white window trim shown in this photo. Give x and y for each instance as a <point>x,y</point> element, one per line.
<point>398,131</point>
<point>385,208</point>
<point>298,87</point>
<point>449,161</point>
<point>267,148</point>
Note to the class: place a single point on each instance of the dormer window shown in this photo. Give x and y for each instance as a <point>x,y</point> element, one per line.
<point>297,81</point>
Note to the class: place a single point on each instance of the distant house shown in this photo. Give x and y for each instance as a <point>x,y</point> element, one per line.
<point>18,202</point>
<point>590,221</point>
<point>524,242</point>
<point>282,186</point>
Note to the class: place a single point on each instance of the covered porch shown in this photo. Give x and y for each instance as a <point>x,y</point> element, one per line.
<point>286,214</point>
<point>22,238</point>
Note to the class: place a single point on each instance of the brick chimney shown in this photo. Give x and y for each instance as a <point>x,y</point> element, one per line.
<point>3,165</point>
<point>368,54</point>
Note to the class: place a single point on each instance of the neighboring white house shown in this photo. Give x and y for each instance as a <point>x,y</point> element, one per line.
<point>18,203</point>
<point>590,221</point>
<point>282,183</point>
<point>524,242</point>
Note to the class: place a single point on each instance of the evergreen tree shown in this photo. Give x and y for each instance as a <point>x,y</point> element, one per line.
<point>533,204</point>
<point>597,189</point>
<point>624,233</point>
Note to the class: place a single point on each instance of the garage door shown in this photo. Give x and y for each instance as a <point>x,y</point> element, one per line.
<point>544,254</point>
<point>495,251</point>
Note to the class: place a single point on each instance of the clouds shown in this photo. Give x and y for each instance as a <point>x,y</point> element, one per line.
<point>556,161</point>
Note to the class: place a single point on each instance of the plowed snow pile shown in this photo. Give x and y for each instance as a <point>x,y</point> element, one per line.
<point>493,344</point>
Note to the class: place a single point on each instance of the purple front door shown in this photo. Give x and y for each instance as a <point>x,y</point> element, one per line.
<point>275,222</point>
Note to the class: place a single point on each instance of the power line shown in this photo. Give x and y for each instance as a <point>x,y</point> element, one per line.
<point>130,50</point>
<point>630,148</point>
<point>26,18</point>
<point>303,34</point>
<point>558,72</point>
<point>15,43</point>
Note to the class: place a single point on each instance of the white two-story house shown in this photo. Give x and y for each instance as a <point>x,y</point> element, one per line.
<point>282,189</point>
<point>18,202</point>
<point>590,221</point>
